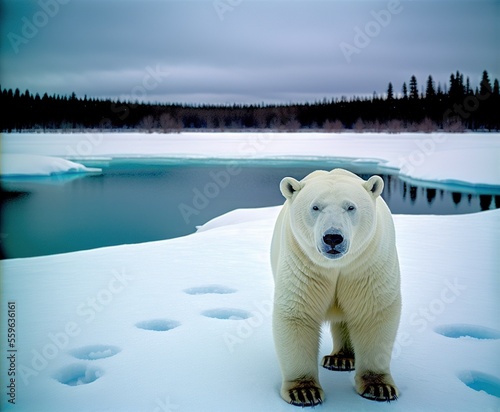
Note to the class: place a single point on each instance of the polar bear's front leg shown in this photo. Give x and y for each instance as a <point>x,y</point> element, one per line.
<point>304,392</point>
<point>373,341</point>
<point>376,386</point>
<point>297,345</point>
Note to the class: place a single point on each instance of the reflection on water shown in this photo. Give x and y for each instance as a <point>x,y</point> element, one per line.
<point>132,203</point>
<point>404,198</point>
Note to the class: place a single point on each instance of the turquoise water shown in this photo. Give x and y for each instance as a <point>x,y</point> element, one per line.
<point>138,200</point>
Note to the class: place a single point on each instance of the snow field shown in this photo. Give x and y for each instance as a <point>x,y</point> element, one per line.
<point>185,324</point>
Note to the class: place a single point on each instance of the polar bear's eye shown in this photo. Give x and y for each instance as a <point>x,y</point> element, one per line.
<point>315,208</point>
<point>350,208</point>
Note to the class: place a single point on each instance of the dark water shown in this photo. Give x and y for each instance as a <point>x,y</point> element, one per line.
<point>139,202</point>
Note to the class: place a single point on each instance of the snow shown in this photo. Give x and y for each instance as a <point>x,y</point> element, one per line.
<point>470,158</point>
<point>185,324</point>
<point>36,165</point>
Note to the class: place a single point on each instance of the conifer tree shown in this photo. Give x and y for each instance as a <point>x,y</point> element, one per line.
<point>485,86</point>
<point>460,83</point>
<point>430,92</point>
<point>452,85</point>
<point>439,90</point>
<point>413,88</point>
<point>390,92</point>
<point>457,88</point>
<point>404,89</point>
<point>496,90</point>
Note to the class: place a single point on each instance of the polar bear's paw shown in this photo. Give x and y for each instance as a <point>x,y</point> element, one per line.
<point>303,393</point>
<point>377,387</point>
<point>341,361</point>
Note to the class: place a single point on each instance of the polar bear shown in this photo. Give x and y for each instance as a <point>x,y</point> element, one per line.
<point>334,259</point>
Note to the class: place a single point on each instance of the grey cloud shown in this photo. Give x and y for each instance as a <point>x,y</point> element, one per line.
<point>259,51</point>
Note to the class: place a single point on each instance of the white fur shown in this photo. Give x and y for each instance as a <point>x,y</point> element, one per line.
<point>354,285</point>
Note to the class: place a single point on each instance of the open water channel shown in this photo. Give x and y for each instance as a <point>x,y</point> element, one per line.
<point>135,200</point>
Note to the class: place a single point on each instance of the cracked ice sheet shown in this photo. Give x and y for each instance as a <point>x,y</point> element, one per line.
<point>470,158</point>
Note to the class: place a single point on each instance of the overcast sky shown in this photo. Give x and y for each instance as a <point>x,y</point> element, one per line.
<point>250,51</point>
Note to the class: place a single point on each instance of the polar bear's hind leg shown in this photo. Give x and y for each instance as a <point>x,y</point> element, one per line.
<point>341,361</point>
<point>342,356</point>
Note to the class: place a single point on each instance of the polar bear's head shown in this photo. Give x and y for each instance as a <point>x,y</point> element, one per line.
<point>332,214</point>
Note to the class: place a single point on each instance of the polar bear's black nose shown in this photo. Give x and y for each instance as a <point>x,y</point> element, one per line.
<point>333,239</point>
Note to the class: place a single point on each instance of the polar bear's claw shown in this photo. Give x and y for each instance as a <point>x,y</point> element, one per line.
<point>380,393</point>
<point>305,394</point>
<point>339,362</point>
<point>378,387</point>
<point>305,397</point>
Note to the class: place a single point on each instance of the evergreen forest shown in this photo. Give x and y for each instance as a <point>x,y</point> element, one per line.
<point>454,107</point>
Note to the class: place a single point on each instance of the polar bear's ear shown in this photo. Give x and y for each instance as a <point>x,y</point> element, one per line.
<point>289,186</point>
<point>374,185</point>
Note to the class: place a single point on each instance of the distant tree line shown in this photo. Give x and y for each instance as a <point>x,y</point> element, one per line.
<point>455,107</point>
